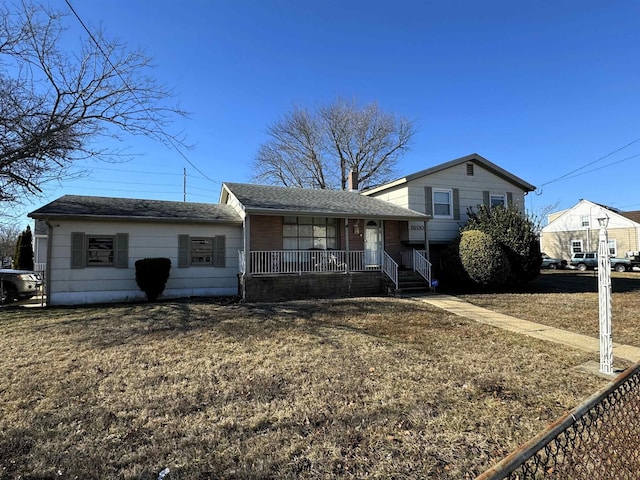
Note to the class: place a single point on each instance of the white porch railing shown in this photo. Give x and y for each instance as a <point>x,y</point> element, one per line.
<point>422,265</point>
<point>390,268</point>
<point>304,261</point>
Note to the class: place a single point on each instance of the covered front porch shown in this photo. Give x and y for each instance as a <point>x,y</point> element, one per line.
<point>286,274</point>
<point>312,243</point>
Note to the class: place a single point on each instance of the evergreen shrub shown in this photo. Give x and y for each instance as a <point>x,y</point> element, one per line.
<point>483,259</point>
<point>152,275</point>
<point>516,234</point>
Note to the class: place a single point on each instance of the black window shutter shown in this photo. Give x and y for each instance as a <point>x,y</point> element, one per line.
<point>121,250</point>
<point>184,251</point>
<point>428,201</point>
<point>219,251</point>
<point>78,250</point>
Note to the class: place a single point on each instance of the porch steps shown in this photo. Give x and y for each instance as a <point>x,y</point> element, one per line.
<point>409,282</point>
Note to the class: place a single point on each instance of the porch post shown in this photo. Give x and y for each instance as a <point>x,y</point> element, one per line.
<point>346,242</point>
<point>426,242</point>
<point>247,244</point>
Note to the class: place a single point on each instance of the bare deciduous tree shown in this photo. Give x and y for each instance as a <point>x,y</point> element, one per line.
<point>56,103</point>
<point>317,149</point>
<point>8,237</point>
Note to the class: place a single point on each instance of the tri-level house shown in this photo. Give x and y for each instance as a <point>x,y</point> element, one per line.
<point>446,192</point>
<point>265,242</point>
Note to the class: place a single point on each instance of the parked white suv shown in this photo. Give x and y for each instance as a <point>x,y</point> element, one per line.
<point>18,284</point>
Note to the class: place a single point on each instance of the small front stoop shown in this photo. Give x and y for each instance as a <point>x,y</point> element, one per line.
<point>409,283</point>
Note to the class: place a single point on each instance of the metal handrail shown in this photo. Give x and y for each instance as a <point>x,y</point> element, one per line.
<point>422,265</point>
<point>390,268</point>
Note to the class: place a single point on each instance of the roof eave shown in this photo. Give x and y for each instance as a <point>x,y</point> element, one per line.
<point>324,213</point>
<point>53,216</point>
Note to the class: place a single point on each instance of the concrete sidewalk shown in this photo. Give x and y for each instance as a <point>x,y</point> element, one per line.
<point>536,330</point>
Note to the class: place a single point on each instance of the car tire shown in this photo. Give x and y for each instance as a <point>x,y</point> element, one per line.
<point>582,267</point>
<point>620,268</point>
<point>9,293</point>
<point>552,266</point>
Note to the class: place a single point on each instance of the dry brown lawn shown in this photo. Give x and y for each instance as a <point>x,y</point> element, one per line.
<point>353,388</point>
<point>569,300</point>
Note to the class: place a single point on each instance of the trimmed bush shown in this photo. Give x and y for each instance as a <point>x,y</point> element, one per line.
<point>516,234</point>
<point>483,259</point>
<point>152,275</point>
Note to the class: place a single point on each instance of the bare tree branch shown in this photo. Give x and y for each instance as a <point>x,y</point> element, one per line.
<point>56,104</point>
<point>318,149</point>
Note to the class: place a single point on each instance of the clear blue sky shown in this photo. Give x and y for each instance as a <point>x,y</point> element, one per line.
<point>541,88</point>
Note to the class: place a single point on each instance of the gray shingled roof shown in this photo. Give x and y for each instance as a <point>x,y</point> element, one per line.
<point>107,208</point>
<point>295,201</point>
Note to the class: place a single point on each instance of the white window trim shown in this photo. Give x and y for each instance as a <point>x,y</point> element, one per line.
<point>433,201</point>
<point>612,241</point>
<point>576,241</point>
<point>582,221</point>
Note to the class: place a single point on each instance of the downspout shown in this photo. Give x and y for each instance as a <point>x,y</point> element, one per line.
<point>47,270</point>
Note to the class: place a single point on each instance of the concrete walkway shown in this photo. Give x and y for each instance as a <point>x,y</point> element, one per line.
<point>536,330</point>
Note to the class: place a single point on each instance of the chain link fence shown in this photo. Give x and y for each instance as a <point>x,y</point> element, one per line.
<point>598,440</point>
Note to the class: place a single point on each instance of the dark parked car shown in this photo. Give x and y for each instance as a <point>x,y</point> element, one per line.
<point>552,263</point>
<point>18,284</point>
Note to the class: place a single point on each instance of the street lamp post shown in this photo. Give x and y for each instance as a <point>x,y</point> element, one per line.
<point>604,298</point>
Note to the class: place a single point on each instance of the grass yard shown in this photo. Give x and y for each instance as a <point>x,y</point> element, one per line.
<point>569,300</point>
<point>353,388</point>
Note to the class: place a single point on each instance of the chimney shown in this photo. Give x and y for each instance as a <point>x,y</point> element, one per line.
<point>353,181</point>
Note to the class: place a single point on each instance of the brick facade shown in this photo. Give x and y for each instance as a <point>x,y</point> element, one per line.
<point>266,233</point>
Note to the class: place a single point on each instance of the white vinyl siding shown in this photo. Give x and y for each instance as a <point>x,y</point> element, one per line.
<point>80,285</point>
<point>467,194</point>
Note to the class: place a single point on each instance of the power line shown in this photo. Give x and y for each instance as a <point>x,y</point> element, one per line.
<point>604,166</point>
<point>571,173</point>
<point>147,172</point>
<point>124,82</point>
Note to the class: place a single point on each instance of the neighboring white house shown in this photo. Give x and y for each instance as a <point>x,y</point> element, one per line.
<point>576,230</point>
<point>94,242</point>
<point>447,191</point>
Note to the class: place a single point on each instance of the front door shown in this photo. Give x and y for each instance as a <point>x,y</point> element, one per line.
<point>372,244</point>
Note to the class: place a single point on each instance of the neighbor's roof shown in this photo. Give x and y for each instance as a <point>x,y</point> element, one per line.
<point>265,199</point>
<point>633,216</point>
<point>107,208</point>
<point>473,158</point>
